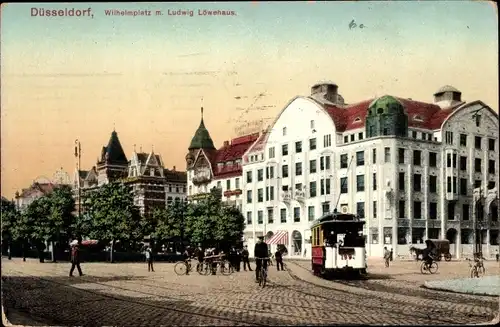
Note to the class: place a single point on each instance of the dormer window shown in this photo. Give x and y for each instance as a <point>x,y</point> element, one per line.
<point>380,110</point>
<point>151,172</point>
<point>229,163</point>
<point>357,120</point>
<point>418,118</point>
<point>220,165</point>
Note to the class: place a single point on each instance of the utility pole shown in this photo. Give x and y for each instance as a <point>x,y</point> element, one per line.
<point>78,156</point>
<point>478,221</point>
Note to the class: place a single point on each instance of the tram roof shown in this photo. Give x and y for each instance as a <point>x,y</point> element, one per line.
<point>336,218</point>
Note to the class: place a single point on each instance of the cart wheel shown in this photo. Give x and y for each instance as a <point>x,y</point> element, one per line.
<point>433,268</point>
<point>447,257</point>
<point>180,268</point>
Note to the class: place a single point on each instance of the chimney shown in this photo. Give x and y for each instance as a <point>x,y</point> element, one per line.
<point>328,90</point>
<point>226,144</point>
<point>173,168</point>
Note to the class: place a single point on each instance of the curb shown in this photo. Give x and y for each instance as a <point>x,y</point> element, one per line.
<point>444,289</point>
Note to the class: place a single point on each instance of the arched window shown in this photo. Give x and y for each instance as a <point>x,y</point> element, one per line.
<point>380,110</point>
<point>418,118</point>
<point>357,120</point>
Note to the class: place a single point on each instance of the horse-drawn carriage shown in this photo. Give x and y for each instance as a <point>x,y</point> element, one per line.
<point>441,247</point>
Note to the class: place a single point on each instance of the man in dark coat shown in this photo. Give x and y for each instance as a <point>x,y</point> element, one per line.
<point>260,252</point>
<point>75,259</point>
<point>279,260</point>
<point>238,260</point>
<point>246,261</point>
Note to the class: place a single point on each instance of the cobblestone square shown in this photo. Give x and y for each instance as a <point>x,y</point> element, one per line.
<point>125,294</point>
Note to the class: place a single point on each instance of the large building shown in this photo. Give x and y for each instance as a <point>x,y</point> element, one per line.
<point>208,167</point>
<point>412,170</point>
<point>153,185</point>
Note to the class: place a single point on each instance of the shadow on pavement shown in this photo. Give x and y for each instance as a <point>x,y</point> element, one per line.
<point>56,300</point>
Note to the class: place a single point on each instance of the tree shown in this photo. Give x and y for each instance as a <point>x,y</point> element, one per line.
<point>10,216</point>
<point>230,225</point>
<point>113,214</point>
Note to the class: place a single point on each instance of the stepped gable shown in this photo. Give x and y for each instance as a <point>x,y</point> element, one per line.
<point>113,153</point>
<point>420,114</point>
<point>232,151</point>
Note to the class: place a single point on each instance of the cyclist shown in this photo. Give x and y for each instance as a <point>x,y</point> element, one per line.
<point>260,251</point>
<point>187,256</point>
<point>428,253</point>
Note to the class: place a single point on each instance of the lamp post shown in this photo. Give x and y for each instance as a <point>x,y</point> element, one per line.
<point>478,221</point>
<point>78,156</point>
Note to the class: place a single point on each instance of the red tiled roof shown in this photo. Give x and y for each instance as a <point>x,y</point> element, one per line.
<point>430,115</point>
<point>231,152</point>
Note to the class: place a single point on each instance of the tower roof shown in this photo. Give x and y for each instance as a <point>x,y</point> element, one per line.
<point>113,153</point>
<point>385,101</point>
<point>201,139</point>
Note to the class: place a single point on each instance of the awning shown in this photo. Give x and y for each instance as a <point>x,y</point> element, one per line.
<point>90,242</point>
<point>281,237</point>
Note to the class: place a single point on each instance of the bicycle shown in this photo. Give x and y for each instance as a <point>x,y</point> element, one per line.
<point>224,267</point>
<point>183,267</point>
<point>262,273</point>
<point>476,269</point>
<point>203,268</point>
<point>426,267</point>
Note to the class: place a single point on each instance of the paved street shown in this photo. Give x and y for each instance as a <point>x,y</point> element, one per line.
<point>126,294</point>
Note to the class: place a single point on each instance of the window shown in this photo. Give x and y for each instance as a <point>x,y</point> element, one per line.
<point>312,144</point>
<point>448,185</point>
<point>433,207</point>
<point>401,155</point>
<point>417,157</point>
<point>360,183</point>
<point>360,209</point>
<point>374,181</point>
<point>284,150</point>
<point>491,185</point>
<point>260,217</point>
<point>260,175</point>
<point>477,165</point>
<point>401,208</point>
<point>414,134</point>
<point>360,158</point>
<point>327,140</point>
<point>310,213</point>
<point>325,208</point>
<point>449,137</point>
<point>324,186</point>
<point>284,171</point>
<point>491,166</point>
<point>451,210</point>
<point>271,153</point>
<point>386,131</point>
<point>219,184</point>
<point>477,142</point>
<point>417,182</point>
<point>432,159</point>
<point>478,120</point>
<point>298,147</point>
<point>249,176</point>
<point>387,154</point>
<point>374,209</point>
<point>298,169</point>
<point>463,186</point>
<point>312,189</point>
<point>249,196</point>
<point>249,217</point>
<point>401,181</point>
<point>296,215</point>
<point>360,136</point>
<point>311,124</point>
<point>271,172</point>
<point>283,216</point>
<point>324,163</point>
<point>267,193</point>
<point>343,161</point>
<point>284,131</point>
<point>270,214</point>
<point>477,183</point>
<point>228,184</point>
<point>343,185</point>
<point>312,166</point>
<point>237,183</point>
<point>260,195</point>
<point>432,184</point>
<point>465,212</point>
<point>463,139</point>
<point>374,156</point>
<point>346,139</point>
<point>463,163</point>
<point>298,186</point>
<point>491,144</point>
<point>352,137</point>
<point>271,193</point>
<point>417,210</point>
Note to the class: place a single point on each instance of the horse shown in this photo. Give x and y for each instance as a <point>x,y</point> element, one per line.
<point>418,252</point>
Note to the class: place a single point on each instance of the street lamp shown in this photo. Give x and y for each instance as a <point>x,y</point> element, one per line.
<point>78,156</point>
<point>478,221</point>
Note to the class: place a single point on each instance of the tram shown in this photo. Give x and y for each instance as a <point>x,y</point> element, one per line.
<point>338,244</point>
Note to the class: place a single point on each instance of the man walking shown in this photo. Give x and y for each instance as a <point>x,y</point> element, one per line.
<point>279,260</point>
<point>245,254</point>
<point>149,258</point>
<point>387,256</point>
<point>75,259</point>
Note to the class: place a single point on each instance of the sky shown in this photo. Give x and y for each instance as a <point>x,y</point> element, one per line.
<point>67,78</point>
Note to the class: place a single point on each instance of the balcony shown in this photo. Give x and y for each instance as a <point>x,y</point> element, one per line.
<point>286,197</point>
<point>300,196</point>
<point>450,196</point>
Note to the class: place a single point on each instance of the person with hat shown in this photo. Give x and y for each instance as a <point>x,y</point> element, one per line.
<point>75,259</point>
<point>244,257</point>
<point>260,252</point>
